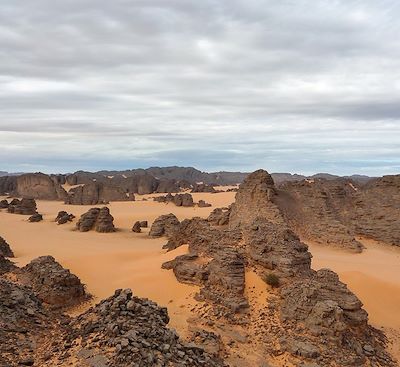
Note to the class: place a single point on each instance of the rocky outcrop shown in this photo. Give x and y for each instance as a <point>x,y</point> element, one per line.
<point>188,269</point>
<point>178,199</point>
<point>335,212</point>
<point>220,216</point>
<point>255,199</point>
<point>8,185</point>
<point>183,200</point>
<point>164,225</point>
<point>5,248</point>
<point>204,188</point>
<point>64,217</point>
<point>25,206</point>
<point>98,219</point>
<point>35,218</point>
<point>39,186</point>
<point>3,204</point>
<point>305,306</point>
<point>94,193</point>
<point>6,265</point>
<point>203,204</point>
<point>125,330</point>
<point>53,284</point>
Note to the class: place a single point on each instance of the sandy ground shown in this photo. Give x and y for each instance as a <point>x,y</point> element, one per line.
<point>105,262</point>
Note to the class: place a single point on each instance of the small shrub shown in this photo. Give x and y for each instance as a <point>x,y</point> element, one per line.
<point>272,280</point>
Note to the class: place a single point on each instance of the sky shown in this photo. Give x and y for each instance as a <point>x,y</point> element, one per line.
<point>288,86</point>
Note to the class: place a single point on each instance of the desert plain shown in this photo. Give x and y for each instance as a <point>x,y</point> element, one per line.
<point>123,259</point>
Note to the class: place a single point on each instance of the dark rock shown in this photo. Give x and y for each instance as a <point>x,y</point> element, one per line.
<point>35,218</point>
<point>143,224</point>
<point>3,204</point>
<point>136,227</point>
<point>164,225</point>
<point>52,283</point>
<point>64,217</point>
<point>26,206</point>
<point>203,204</point>
<point>5,248</point>
<point>99,219</point>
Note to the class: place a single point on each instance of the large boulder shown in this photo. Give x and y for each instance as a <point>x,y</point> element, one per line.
<point>25,206</point>
<point>53,284</point>
<point>99,219</point>
<point>164,225</point>
<point>183,200</point>
<point>4,204</point>
<point>95,193</point>
<point>39,186</point>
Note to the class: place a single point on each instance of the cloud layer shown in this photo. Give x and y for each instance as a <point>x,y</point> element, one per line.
<point>293,86</point>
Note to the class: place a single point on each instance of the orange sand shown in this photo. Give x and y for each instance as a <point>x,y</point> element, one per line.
<point>105,262</point>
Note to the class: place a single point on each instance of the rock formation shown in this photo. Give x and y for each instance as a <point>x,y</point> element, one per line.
<point>39,186</point>
<point>334,212</point>
<point>164,225</point>
<point>136,227</point>
<point>94,193</point>
<point>122,330</point>
<point>99,219</point>
<point>3,204</point>
<point>305,308</point>
<point>203,188</point>
<point>203,204</point>
<point>53,284</point>
<point>178,199</point>
<point>25,206</point>
<point>5,248</point>
<point>35,218</point>
<point>220,216</point>
<point>64,217</point>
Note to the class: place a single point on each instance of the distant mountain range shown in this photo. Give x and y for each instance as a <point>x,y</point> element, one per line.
<point>194,175</point>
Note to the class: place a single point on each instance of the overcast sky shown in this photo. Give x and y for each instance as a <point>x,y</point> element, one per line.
<point>289,85</point>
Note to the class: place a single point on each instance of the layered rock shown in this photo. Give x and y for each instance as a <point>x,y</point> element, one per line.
<point>5,248</point>
<point>53,284</point>
<point>39,186</point>
<point>25,206</point>
<point>64,217</point>
<point>94,193</point>
<point>220,216</point>
<point>164,225</point>
<point>304,308</point>
<point>335,212</point>
<point>98,219</point>
<point>8,185</point>
<point>255,199</point>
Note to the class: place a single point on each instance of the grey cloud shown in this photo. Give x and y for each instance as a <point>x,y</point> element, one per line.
<point>296,86</point>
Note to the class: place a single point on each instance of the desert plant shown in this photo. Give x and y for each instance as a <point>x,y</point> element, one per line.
<point>272,280</point>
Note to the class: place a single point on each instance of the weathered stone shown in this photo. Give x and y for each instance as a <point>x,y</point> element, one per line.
<point>164,225</point>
